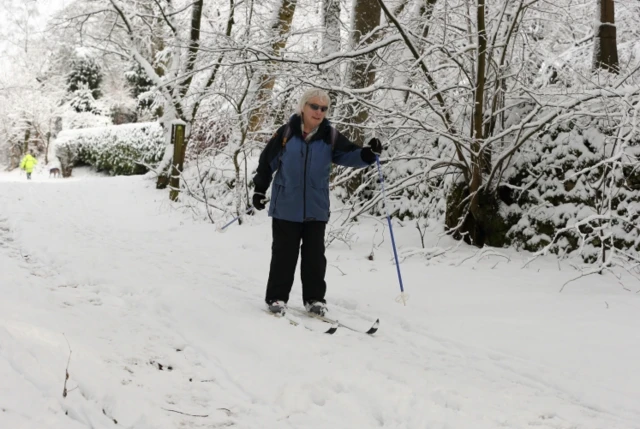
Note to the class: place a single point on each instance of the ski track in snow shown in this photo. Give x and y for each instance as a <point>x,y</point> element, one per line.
<point>162,315</point>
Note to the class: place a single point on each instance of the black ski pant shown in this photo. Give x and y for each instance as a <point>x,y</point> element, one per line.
<point>284,258</point>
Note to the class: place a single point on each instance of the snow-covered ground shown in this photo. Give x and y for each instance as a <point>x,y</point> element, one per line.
<point>163,318</point>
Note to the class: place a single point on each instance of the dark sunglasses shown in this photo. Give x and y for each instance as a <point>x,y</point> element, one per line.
<point>316,107</point>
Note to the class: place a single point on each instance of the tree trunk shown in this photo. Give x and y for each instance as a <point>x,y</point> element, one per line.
<point>474,220</point>
<point>426,12</point>
<point>266,79</point>
<point>605,47</point>
<point>194,45</point>
<point>485,227</point>
<point>331,20</point>
<point>478,160</point>
<point>166,174</point>
<point>180,144</point>
<point>46,147</point>
<point>27,136</point>
<point>366,17</point>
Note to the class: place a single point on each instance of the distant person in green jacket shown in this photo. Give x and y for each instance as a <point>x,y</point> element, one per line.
<point>27,164</point>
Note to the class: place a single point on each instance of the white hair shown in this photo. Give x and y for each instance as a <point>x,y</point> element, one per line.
<point>311,93</point>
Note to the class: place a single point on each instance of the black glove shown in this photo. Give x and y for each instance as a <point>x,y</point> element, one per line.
<point>376,146</point>
<point>368,154</point>
<point>258,200</point>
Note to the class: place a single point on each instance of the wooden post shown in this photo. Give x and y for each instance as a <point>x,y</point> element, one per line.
<point>177,139</point>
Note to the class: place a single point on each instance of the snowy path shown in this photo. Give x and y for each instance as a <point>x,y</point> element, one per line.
<point>163,317</point>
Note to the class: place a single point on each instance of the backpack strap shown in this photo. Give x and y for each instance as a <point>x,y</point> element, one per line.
<point>333,137</point>
<point>286,134</point>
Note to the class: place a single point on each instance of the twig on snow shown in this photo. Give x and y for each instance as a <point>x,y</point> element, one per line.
<point>185,414</point>
<point>226,410</point>
<point>338,268</point>
<point>66,372</point>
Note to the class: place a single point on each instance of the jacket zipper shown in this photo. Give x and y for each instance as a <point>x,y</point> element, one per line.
<point>304,188</point>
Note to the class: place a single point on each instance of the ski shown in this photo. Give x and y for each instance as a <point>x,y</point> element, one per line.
<point>332,330</point>
<point>372,330</point>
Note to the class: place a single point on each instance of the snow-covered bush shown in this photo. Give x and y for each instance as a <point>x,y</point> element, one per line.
<point>119,149</point>
<point>72,120</point>
<point>577,188</point>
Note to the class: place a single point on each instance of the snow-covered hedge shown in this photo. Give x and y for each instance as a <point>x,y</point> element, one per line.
<point>118,149</point>
<point>578,187</point>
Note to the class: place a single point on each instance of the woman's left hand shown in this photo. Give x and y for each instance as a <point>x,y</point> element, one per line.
<point>376,146</point>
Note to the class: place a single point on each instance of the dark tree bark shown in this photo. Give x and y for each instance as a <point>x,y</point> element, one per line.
<point>605,47</point>
<point>366,18</point>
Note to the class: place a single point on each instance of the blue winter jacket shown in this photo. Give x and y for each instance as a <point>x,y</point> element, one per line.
<point>301,185</point>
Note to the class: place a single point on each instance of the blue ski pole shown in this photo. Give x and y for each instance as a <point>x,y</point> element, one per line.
<point>221,229</point>
<point>403,297</point>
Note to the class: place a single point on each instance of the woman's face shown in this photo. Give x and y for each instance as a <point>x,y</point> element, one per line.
<point>314,112</point>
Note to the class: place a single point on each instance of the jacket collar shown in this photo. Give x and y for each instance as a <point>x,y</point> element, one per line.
<point>322,133</point>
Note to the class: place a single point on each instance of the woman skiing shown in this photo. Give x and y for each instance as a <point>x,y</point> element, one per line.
<point>301,153</point>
